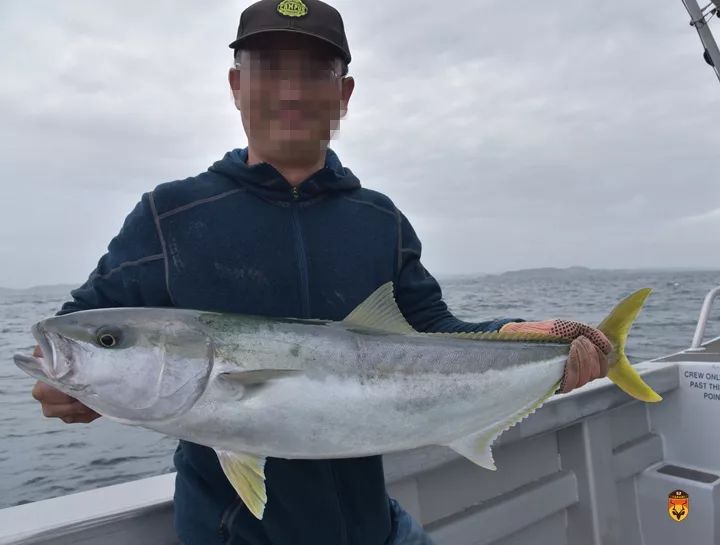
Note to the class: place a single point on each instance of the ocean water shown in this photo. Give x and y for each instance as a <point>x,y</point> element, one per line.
<point>43,457</point>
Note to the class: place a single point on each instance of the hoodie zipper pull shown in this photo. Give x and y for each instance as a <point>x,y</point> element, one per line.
<point>295,193</point>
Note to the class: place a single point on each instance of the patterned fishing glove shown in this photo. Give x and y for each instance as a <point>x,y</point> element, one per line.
<point>589,349</point>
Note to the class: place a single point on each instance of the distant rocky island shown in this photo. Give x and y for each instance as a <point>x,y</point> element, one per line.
<point>570,273</point>
<point>583,272</point>
<point>553,271</point>
<point>51,288</point>
<point>575,272</point>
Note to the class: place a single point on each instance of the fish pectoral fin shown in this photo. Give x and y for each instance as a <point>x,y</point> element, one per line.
<point>246,473</point>
<point>379,311</point>
<point>257,376</point>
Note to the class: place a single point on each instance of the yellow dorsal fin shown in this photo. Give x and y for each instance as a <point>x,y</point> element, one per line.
<point>246,473</point>
<point>379,311</point>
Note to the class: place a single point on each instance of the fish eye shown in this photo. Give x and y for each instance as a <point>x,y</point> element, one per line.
<point>107,339</point>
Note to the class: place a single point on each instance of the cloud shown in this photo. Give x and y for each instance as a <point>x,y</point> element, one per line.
<point>705,218</point>
<point>511,134</point>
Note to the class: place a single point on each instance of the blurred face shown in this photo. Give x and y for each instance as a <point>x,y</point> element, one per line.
<point>291,95</point>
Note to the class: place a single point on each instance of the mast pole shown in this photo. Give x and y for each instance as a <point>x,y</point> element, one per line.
<point>699,19</point>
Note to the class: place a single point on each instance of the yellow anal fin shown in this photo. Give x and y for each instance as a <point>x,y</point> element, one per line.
<point>246,473</point>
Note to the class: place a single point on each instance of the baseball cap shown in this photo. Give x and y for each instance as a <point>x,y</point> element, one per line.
<point>309,17</point>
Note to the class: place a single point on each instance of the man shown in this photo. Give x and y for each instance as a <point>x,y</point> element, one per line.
<point>282,228</point>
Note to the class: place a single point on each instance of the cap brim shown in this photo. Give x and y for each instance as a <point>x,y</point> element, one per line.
<point>343,54</point>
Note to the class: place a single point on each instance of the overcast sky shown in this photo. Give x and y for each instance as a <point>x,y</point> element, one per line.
<point>512,134</point>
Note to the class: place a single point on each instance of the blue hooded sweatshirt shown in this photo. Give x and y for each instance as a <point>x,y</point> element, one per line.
<point>241,239</point>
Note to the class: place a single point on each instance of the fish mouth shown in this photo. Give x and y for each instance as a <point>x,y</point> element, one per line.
<point>47,366</point>
<point>33,366</point>
<point>49,359</point>
<point>42,369</point>
<point>38,367</point>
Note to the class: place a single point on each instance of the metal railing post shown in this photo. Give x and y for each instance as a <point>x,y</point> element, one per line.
<point>702,320</point>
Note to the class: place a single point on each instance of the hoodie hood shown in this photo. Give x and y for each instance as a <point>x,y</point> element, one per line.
<point>264,180</point>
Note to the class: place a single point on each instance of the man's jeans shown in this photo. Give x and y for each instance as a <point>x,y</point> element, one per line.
<point>407,531</point>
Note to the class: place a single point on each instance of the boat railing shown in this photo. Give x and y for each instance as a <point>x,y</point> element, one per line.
<point>696,345</point>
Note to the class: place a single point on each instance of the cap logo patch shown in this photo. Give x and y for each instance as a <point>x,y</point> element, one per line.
<point>292,8</point>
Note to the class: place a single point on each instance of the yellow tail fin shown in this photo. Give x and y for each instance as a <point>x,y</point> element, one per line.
<point>616,327</point>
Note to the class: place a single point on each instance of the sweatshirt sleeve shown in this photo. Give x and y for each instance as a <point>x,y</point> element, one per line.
<point>132,272</point>
<point>419,295</point>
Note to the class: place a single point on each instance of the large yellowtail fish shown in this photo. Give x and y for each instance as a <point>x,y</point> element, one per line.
<point>252,387</point>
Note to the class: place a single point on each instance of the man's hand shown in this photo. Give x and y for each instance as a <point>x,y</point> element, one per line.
<point>57,404</point>
<point>589,349</point>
